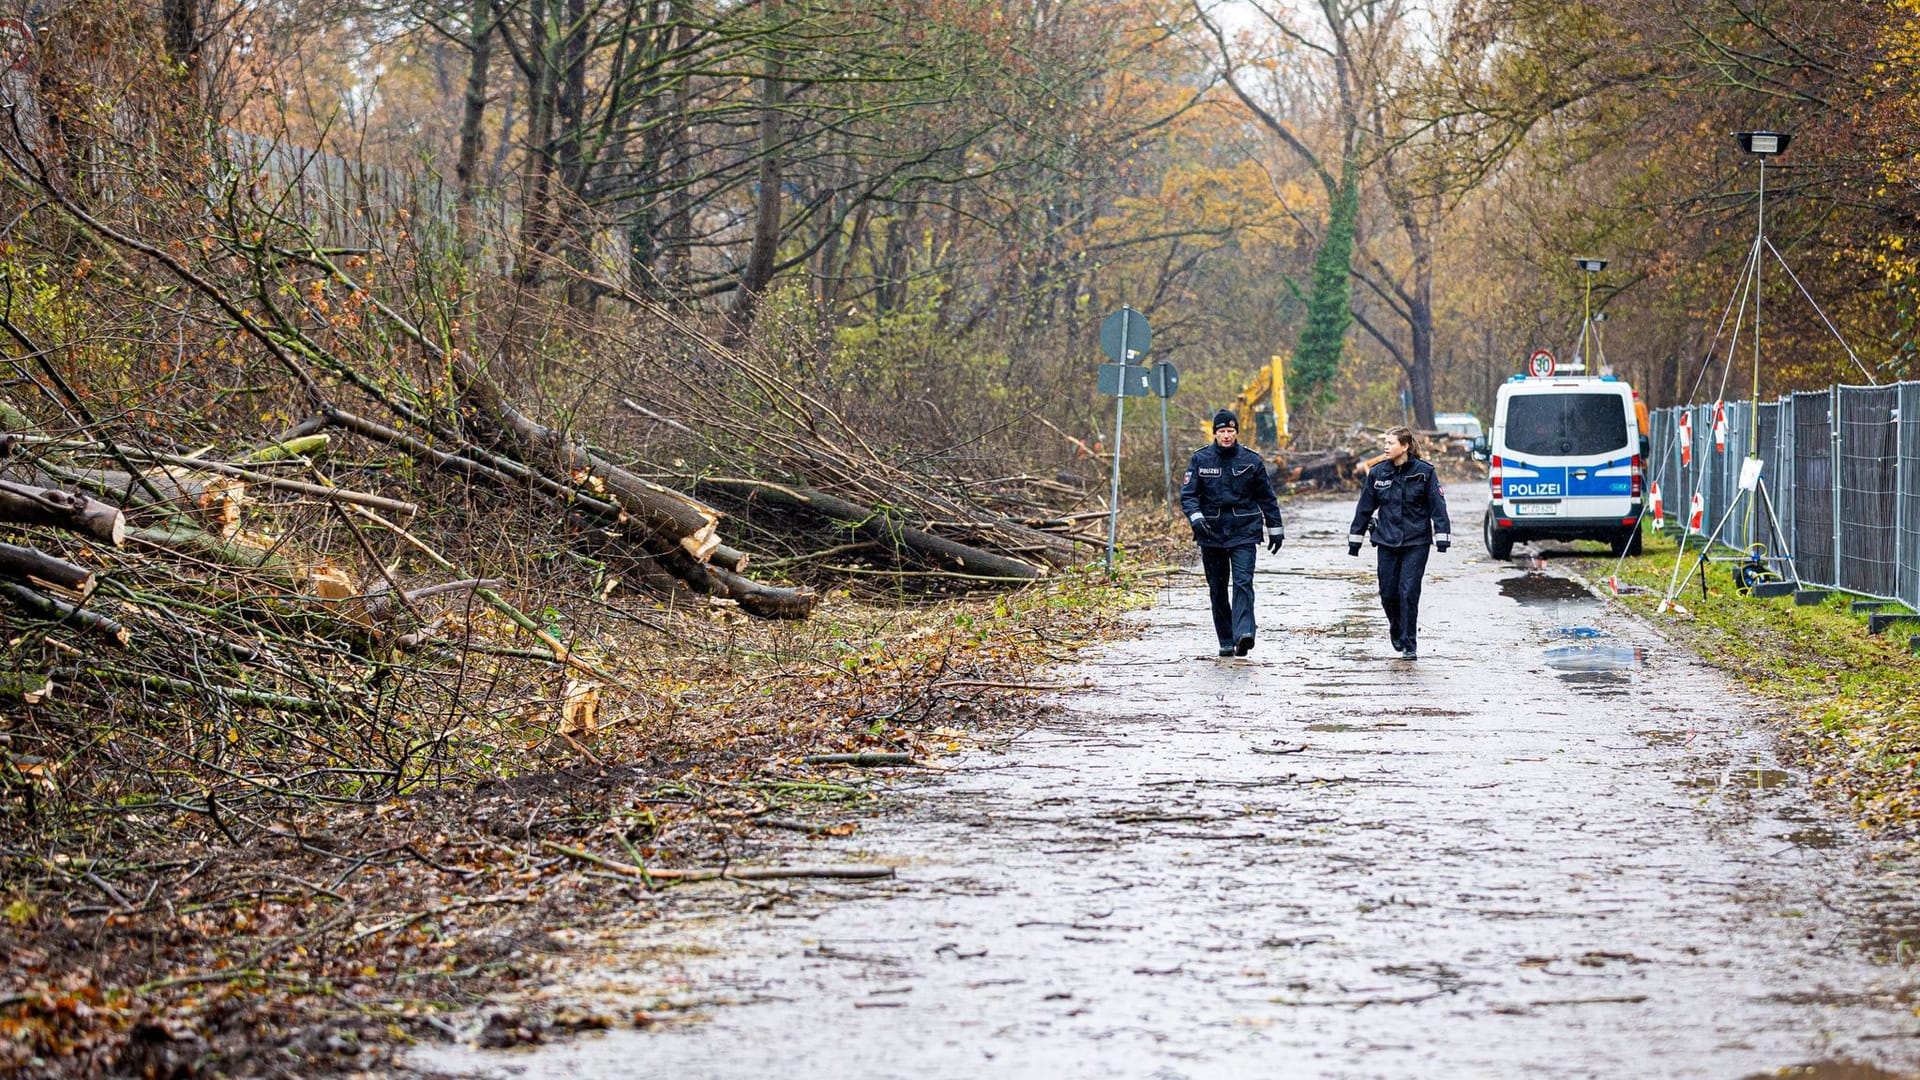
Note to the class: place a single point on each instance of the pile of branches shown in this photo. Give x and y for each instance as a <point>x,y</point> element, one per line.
<point>1334,459</point>
<point>311,603</point>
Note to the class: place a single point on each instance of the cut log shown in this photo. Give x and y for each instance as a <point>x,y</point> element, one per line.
<point>38,568</point>
<point>29,505</point>
<point>874,525</point>
<point>729,558</point>
<point>763,601</point>
<point>214,501</point>
<point>664,514</point>
<point>47,607</point>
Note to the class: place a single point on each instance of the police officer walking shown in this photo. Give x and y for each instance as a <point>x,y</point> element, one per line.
<point>1227,496</point>
<point>1403,505</point>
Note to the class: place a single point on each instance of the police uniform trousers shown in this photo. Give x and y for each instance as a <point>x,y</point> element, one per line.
<point>1401,569</point>
<point>1230,586</point>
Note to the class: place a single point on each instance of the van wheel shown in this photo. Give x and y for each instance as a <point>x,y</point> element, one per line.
<point>1628,543</point>
<point>1499,541</point>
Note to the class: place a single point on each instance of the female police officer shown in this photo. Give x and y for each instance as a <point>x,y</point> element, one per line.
<point>1403,505</point>
<point>1226,496</point>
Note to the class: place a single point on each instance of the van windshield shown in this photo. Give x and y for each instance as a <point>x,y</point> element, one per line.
<point>1565,425</point>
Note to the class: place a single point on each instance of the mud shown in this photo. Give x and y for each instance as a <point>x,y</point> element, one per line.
<point>1319,861</point>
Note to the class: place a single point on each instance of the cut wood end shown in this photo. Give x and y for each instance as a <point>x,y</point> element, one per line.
<point>700,546</point>
<point>117,532</point>
<point>580,708</point>
<point>75,593</point>
<point>330,583</point>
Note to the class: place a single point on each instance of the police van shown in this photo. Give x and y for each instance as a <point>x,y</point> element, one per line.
<point>1566,461</point>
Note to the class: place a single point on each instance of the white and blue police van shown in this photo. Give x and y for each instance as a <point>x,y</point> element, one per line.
<point>1565,461</point>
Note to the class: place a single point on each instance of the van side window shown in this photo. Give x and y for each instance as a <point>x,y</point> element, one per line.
<point>1565,425</point>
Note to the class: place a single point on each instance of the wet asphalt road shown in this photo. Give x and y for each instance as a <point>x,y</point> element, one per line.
<point>1480,865</point>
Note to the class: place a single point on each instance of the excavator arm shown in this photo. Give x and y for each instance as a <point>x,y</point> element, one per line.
<point>1268,385</point>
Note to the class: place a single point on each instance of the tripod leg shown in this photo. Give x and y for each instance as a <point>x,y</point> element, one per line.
<point>1779,535</point>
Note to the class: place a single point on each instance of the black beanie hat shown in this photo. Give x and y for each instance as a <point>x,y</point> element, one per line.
<point>1226,418</point>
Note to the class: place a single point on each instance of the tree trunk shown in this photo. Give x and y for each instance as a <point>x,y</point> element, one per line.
<point>676,258</point>
<point>888,532</point>
<point>758,273</point>
<point>571,154</point>
<point>537,181</point>
<point>180,20</point>
<point>473,113</point>
<point>1420,322</point>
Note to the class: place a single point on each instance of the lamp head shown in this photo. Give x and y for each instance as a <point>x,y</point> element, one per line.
<point>1591,266</point>
<point>1763,143</point>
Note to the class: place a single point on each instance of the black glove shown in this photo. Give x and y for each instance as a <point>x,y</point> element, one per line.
<point>1274,540</point>
<point>1202,532</point>
<point>1353,549</point>
<point>1442,545</point>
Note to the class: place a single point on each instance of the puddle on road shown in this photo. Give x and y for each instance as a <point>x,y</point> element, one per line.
<point>1817,839</point>
<point>1667,738</point>
<point>1744,779</point>
<point>1597,658</point>
<point>1542,589</point>
<point>1757,779</point>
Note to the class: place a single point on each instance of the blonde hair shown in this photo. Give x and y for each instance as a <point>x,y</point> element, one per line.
<point>1406,438</point>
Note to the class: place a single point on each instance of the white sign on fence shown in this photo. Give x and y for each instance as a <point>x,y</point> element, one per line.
<point>1750,474</point>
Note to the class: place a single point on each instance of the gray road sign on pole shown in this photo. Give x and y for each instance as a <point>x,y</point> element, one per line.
<point>1166,379</point>
<point>1125,335</point>
<point>1131,380</point>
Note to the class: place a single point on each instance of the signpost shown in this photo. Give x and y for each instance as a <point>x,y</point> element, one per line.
<point>1166,379</point>
<point>1124,337</point>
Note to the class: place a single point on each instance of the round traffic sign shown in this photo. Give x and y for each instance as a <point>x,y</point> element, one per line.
<point>1166,379</point>
<point>1540,363</point>
<point>1130,325</point>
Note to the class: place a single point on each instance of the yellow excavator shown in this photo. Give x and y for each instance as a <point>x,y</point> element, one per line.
<point>1262,409</point>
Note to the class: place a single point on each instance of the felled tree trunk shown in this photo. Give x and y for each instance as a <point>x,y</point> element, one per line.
<point>36,567</point>
<point>26,504</point>
<point>867,522</point>
<point>662,514</point>
<point>678,536</point>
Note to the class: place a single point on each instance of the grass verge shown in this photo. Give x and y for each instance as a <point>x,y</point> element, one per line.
<point>1851,699</point>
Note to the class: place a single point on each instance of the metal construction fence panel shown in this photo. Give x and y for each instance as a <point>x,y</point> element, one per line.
<point>1907,496</point>
<point>1840,477</point>
<point>1868,452</point>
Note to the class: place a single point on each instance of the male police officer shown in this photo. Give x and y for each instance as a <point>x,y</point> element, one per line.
<point>1226,496</point>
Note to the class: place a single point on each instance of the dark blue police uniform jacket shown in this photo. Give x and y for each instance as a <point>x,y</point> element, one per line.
<point>1406,503</point>
<point>1229,489</point>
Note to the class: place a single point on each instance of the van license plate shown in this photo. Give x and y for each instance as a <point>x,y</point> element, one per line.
<point>1535,509</point>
